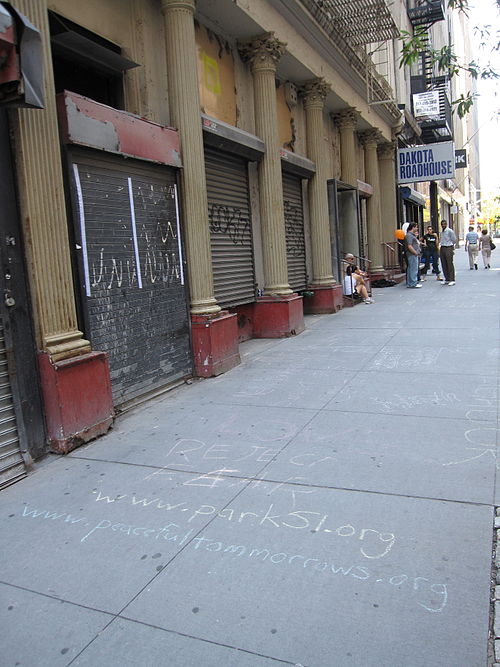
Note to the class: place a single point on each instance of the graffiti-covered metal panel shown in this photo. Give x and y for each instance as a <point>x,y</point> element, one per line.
<point>294,231</point>
<point>230,228</point>
<point>129,248</point>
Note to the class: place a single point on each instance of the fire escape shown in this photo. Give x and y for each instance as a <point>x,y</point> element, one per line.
<point>437,127</point>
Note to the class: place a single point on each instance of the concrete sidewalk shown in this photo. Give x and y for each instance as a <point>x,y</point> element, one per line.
<point>329,502</point>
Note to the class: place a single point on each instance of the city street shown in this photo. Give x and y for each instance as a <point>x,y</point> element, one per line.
<point>329,502</point>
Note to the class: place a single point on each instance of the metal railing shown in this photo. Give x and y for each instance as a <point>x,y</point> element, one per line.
<point>393,258</point>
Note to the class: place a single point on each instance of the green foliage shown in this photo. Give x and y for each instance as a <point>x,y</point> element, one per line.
<point>446,61</point>
<point>463,104</point>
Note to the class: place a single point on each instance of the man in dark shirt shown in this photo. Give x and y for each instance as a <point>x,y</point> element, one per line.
<point>431,252</point>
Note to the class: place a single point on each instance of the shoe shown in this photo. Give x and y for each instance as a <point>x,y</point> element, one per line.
<point>445,282</point>
<point>368,301</point>
<point>452,282</point>
<point>489,266</point>
<point>475,266</point>
<point>438,277</point>
<point>471,269</point>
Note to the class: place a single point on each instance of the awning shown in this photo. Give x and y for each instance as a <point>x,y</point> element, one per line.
<point>70,42</point>
<point>358,21</point>
<point>412,195</point>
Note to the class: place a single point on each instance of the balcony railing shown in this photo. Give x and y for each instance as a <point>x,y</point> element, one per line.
<point>438,127</point>
<point>427,13</point>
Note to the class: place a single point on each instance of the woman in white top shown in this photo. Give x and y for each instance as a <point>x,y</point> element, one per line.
<point>484,244</point>
<point>355,285</point>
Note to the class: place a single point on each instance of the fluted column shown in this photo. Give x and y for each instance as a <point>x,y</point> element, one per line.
<point>264,53</point>
<point>386,162</point>
<point>314,93</point>
<point>184,103</point>
<point>347,120</point>
<point>43,212</point>
<point>374,228</point>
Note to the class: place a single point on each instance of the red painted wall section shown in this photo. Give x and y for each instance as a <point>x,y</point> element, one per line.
<point>215,344</point>
<point>244,319</point>
<point>88,123</point>
<point>77,399</point>
<point>325,300</point>
<point>278,317</point>
<point>9,62</point>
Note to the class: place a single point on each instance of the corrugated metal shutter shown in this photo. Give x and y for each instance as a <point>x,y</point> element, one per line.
<point>230,228</point>
<point>294,229</point>
<point>12,466</point>
<point>135,298</point>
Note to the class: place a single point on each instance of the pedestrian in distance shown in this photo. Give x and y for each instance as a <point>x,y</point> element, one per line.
<point>471,247</point>
<point>446,251</point>
<point>412,246</point>
<point>431,252</point>
<point>485,245</point>
<point>354,284</point>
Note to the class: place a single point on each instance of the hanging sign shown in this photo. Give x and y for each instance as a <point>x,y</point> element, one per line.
<point>460,158</point>
<point>426,105</point>
<point>433,162</point>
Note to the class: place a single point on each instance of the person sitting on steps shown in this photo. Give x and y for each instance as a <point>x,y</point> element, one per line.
<point>354,284</point>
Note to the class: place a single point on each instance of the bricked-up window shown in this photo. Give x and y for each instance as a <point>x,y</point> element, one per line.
<point>87,64</point>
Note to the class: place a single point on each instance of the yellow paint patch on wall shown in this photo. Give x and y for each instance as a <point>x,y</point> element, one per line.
<point>216,76</point>
<point>285,120</point>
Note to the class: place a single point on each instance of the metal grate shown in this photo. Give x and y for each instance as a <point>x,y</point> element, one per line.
<point>12,467</point>
<point>230,228</point>
<point>358,21</point>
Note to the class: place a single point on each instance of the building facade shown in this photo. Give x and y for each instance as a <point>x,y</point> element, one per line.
<point>194,178</point>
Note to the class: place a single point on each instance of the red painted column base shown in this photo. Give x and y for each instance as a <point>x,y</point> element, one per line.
<point>326,299</point>
<point>215,343</point>
<point>77,399</point>
<point>278,317</point>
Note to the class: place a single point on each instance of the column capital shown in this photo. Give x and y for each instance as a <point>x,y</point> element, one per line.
<point>346,119</point>
<point>370,138</point>
<point>263,52</point>
<point>386,150</point>
<point>188,5</point>
<point>314,92</point>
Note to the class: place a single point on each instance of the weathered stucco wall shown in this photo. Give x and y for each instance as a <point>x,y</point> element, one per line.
<point>216,75</point>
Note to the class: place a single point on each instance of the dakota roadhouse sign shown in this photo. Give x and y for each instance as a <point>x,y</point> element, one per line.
<point>433,162</point>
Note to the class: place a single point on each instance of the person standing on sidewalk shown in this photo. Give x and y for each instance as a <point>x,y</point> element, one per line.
<point>431,252</point>
<point>446,252</point>
<point>412,256</point>
<point>485,245</point>
<point>471,240</point>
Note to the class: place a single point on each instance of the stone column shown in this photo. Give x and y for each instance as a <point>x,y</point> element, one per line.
<point>43,212</point>
<point>347,120</point>
<point>370,140</point>
<point>184,102</point>
<point>75,381</point>
<point>264,54</point>
<point>314,93</point>
<point>386,162</point>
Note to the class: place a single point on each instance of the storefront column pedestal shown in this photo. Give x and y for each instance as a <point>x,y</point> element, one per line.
<point>278,317</point>
<point>215,343</point>
<point>326,299</point>
<point>77,399</point>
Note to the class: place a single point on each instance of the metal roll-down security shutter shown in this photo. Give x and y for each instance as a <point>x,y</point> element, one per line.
<point>230,228</point>
<point>128,232</point>
<point>12,467</point>
<point>294,229</point>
